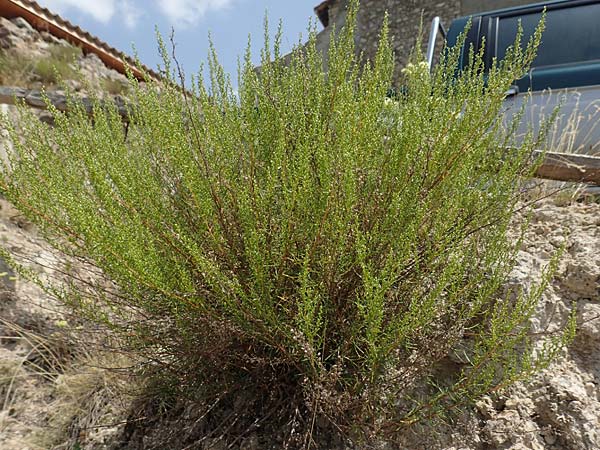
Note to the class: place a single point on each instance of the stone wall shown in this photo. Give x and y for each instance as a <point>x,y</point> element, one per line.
<point>405,19</point>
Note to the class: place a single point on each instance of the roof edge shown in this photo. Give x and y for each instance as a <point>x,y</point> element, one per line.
<point>43,20</point>
<point>322,12</point>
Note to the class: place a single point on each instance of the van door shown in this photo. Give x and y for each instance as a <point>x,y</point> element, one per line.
<point>565,72</point>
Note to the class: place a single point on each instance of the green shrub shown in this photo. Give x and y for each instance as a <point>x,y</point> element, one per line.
<point>306,240</point>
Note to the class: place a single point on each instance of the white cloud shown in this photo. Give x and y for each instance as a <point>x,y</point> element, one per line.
<point>188,12</point>
<point>101,10</point>
<point>130,13</point>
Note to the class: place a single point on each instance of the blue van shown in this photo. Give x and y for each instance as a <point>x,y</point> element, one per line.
<point>565,72</point>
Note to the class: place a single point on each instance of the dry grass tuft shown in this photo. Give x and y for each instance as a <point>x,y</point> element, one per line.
<point>114,86</point>
<point>91,403</point>
<point>60,387</point>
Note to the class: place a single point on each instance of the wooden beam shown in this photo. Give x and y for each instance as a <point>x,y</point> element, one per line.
<point>570,167</point>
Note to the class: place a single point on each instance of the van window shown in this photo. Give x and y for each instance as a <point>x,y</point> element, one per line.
<point>571,34</point>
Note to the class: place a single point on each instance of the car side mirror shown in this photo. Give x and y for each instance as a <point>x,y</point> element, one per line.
<point>512,91</point>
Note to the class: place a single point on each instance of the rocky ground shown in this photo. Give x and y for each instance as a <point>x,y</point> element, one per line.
<point>560,408</point>
<point>53,387</point>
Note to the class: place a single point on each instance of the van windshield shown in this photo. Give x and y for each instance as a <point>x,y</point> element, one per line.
<point>571,35</point>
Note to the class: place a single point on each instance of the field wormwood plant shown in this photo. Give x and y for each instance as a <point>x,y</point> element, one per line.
<point>304,243</point>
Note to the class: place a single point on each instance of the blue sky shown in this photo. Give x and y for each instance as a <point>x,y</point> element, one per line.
<point>122,23</point>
